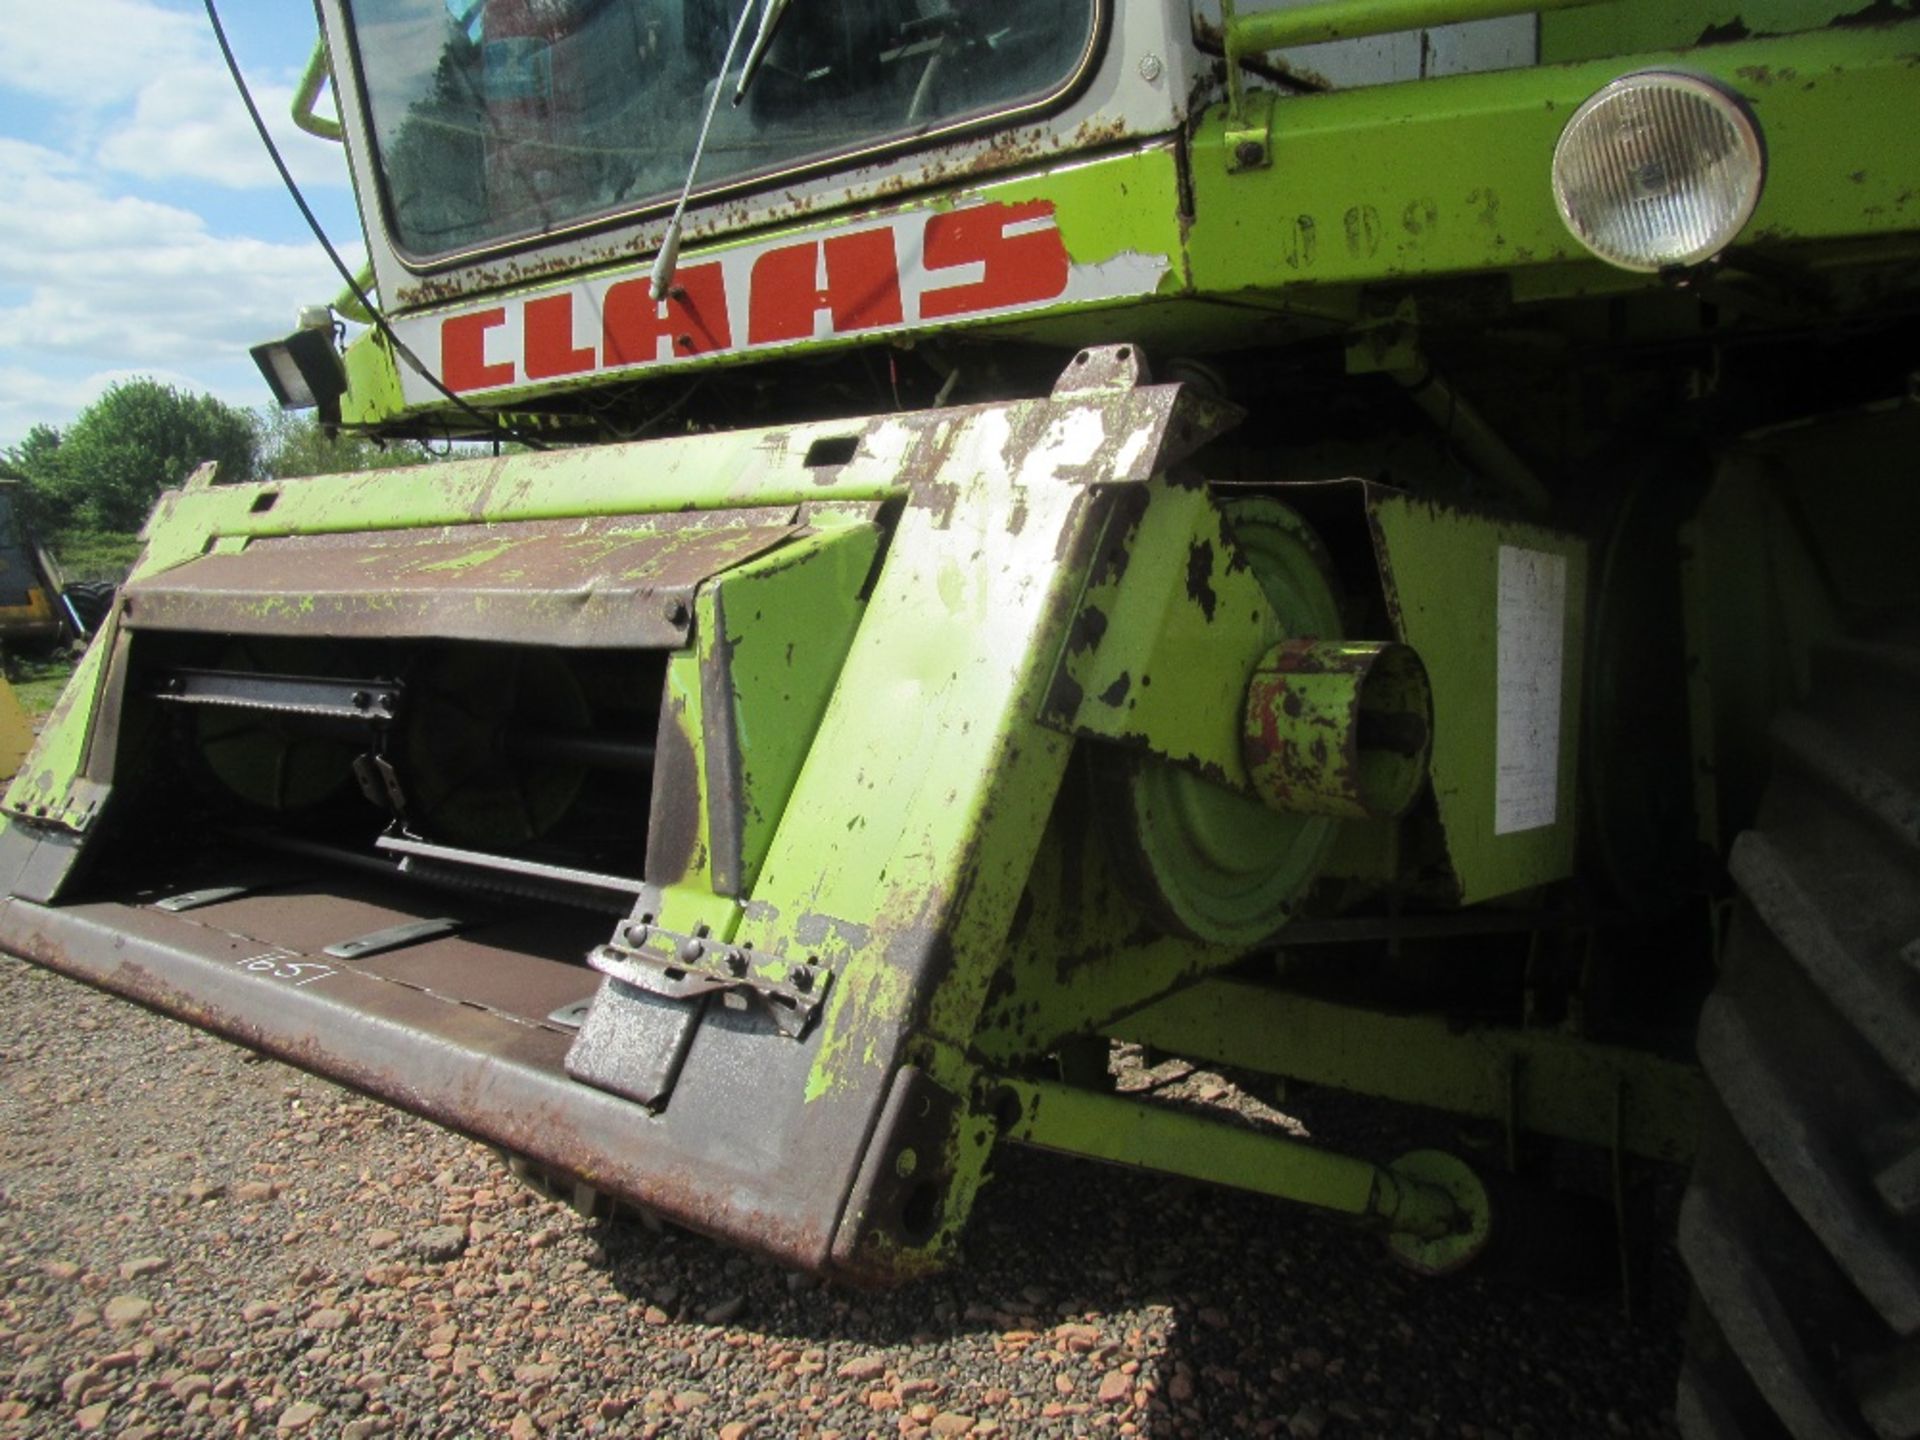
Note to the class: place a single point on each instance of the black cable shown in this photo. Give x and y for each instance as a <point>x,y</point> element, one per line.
<point>491,422</point>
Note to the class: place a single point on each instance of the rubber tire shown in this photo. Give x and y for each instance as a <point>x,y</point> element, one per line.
<point>91,600</point>
<point>1801,1225</point>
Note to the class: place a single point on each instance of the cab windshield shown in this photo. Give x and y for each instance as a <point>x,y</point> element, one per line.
<point>499,119</point>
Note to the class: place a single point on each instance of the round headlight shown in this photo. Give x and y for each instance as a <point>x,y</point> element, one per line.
<point>1659,171</point>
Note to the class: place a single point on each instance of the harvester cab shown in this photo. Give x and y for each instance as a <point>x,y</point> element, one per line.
<point>1009,528</point>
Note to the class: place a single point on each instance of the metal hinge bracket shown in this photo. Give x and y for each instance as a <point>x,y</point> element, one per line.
<point>689,967</point>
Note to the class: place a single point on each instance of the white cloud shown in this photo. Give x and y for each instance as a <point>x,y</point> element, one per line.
<point>112,283</point>
<point>30,397</point>
<point>186,120</point>
<point>104,274</point>
<point>94,52</point>
<point>189,124</point>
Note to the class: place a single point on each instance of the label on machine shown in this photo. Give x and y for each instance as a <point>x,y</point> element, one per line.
<point>900,272</point>
<point>1532,620</point>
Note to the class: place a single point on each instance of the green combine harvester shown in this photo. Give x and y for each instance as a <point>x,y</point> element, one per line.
<point>1372,542</point>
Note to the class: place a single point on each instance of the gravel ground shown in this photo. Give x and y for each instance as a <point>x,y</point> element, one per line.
<point>196,1242</point>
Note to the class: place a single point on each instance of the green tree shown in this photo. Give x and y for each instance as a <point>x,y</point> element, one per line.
<point>35,454</point>
<point>293,445</point>
<point>138,439</point>
<point>31,457</point>
<point>33,462</point>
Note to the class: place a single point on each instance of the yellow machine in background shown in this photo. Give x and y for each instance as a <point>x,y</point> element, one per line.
<point>34,606</point>
<point>16,732</point>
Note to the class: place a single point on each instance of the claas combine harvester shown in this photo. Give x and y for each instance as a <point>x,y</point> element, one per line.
<point>1366,541</point>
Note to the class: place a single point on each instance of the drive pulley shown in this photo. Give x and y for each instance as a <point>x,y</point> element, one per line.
<point>1221,865</point>
<point>1330,729</point>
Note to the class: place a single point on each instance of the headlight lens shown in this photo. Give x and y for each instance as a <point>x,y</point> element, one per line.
<point>1659,170</point>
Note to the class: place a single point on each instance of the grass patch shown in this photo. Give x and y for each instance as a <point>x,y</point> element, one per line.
<point>37,681</point>
<point>95,554</point>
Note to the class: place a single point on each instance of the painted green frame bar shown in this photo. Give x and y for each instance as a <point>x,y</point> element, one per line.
<point>1153,1137</point>
<point>1351,19</point>
<point>307,95</point>
<point>1354,19</point>
<point>1352,188</point>
<point>1539,1081</point>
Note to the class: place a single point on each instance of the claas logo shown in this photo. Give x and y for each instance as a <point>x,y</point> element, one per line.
<point>911,270</point>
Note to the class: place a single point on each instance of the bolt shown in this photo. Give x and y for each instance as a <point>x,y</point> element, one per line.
<point>1150,68</point>
<point>675,610</point>
<point>691,950</point>
<point>736,963</point>
<point>637,934</point>
<point>361,699</point>
<point>1249,152</point>
<point>802,979</point>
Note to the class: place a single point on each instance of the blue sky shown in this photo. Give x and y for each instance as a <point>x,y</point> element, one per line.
<point>142,228</point>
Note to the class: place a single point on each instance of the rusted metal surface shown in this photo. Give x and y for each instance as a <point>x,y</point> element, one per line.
<point>507,867</point>
<point>1340,728</point>
<point>636,238</point>
<point>689,967</point>
<point>602,582</point>
<point>747,1133</point>
<point>416,1028</point>
<point>896,1203</point>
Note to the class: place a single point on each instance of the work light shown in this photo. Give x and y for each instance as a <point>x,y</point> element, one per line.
<point>304,370</point>
<point>1659,171</point>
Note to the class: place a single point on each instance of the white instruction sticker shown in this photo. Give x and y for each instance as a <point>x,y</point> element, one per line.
<point>1532,642</point>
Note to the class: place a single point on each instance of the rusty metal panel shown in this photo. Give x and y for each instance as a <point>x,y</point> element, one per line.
<point>602,582</point>
<point>718,1160</point>
<point>501,965</point>
<point>764,1131</point>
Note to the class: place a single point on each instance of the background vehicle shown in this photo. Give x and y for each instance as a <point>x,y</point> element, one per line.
<point>37,606</point>
<point>16,732</point>
<point>1101,522</point>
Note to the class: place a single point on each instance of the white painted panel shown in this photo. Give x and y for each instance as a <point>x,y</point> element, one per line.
<point>1532,650</point>
<point>1477,45</point>
<point>1506,44</point>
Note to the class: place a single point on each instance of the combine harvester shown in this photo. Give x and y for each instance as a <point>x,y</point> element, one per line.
<point>1369,541</point>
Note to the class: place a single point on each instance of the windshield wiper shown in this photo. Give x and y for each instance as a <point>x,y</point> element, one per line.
<point>770,19</point>
<point>669,256</point>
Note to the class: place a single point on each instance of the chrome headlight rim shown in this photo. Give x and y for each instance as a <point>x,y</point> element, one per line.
<point>1728,104</point>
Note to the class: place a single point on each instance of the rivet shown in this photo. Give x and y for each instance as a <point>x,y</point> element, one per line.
<point>1150,68</point>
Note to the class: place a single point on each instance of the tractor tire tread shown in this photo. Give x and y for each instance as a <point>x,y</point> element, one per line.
<point>1801,1226</point>
<point>1730,1280</point>
<point>1890,1395</point>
